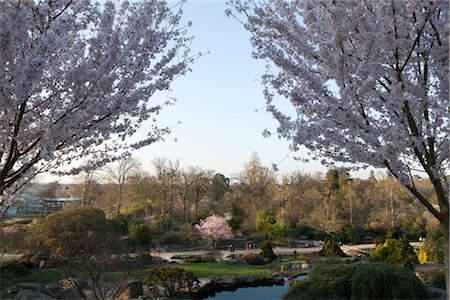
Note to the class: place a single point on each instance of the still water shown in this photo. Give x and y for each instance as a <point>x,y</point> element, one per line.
<point>249,293</point>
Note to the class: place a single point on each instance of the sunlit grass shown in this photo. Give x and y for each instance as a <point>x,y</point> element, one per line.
<point>224,269</point>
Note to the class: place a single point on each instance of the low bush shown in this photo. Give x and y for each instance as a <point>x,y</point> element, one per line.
<point>267,252</point>
<point>384,281</point>
<point>438,280</point>
<point>395,252</point>
<point>184,257</point>
<point>172,279</point>
<point>211,257</point>
<point>359,281</point>
<point>32,260</point>
<point>72,232</point>
<point>144,256</point>
<point>140,233</point>
<point>13,269</point>
<point>349,234</point>
<point>331,248</point>
<point>432,250</point>
<point>170,238</point>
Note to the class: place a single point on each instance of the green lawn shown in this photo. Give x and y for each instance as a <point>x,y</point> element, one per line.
<point>224,269</point>
<point>199,270</point>
<point>45,276</point>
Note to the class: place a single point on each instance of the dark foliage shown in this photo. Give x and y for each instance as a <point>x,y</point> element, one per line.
<point>13,269</point>
<point>172,279</point>
<point>359,281</point>
<point>396,252</point>
<point>140,233</point>
<point>267,252</point>
<point>331,248</point>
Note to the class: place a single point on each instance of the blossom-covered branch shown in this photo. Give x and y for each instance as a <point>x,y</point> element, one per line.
<point>368,81</point>
<point>76,79</point>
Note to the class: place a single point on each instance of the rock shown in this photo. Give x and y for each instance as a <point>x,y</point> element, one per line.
<point>31,286</point>
<point>230,280</point>
<point>71,283</point>
<point>71,293</point>
<point>66,284</point>
<point>54,290</point>
<point>132,290</point>
<point>5,295</point>
<point>305,265</point>
<point>32,295</point>
<point>278,280</point>
<point>254,259</point>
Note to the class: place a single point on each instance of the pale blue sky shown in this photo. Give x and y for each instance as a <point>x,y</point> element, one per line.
<point>216,103</point>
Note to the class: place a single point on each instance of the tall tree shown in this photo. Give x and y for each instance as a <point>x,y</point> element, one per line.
<point>368,80</point>
<point>255,182</point>
<point>118,175</point>
<point>167,182</point>
<point>201,182</point>
<point>220,185</point>
<point>76,78</point>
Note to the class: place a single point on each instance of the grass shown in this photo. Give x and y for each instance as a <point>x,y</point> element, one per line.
<point>302,261</point>
<point>199,270</point>
<point>14,220</point>
<point>224,269</point>
<point>45,276</point>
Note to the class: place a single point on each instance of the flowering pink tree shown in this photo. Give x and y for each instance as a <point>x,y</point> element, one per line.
<point>368,81</point>
<point>76,79</point>
<point>214,228</point>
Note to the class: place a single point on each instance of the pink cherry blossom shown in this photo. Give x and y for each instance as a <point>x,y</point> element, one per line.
<point>76,80</point>
<point>368,81</point>
<point>214,228</point>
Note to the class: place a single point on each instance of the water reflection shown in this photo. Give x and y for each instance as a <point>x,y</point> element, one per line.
<point>261,292</point>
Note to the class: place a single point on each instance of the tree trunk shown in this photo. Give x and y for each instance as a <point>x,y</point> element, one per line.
<point>119,200</point>
<point>445,228</point>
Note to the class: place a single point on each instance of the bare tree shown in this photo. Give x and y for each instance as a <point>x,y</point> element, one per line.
<point>167,178</point>
<point>118,175</point>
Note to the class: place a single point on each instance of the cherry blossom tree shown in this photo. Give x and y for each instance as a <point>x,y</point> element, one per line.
<point>368,82</point>
<point>76,79</point>
<point>214,228</point>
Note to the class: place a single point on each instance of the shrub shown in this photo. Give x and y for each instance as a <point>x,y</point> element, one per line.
<point>267,252</point>
<point>349,234</point>
<point>140,233</point>
<point>163,223</point>
<point>172,279</point>
<point>433,248</point>
<point>237,215</point>
<point>13,269</point>
<point>72,231</point>
<point>278,230</point>
<point>423,256</point>
<point>254,259</point>
<point>263,221</point>
<point>170,238</point>
<point>331,248</point>
<point>144,256</point>
<point>359,281</point>
<point>438,280</point>
<point>395,252</point>
<point>210,257</point>
<point>33,259</point>
<point>384,281</point>
<point>324,282</point>
<point>133,213</point>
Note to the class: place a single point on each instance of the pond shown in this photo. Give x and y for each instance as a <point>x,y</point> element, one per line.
<point>260,292</point>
